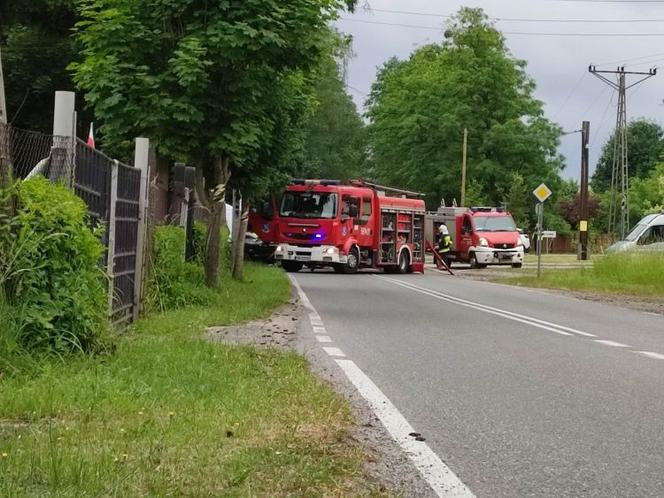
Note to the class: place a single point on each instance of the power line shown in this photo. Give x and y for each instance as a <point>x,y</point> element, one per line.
<point>518,33</point>
<point>512,19</point>
<point>622,61</point>
<point>608,1</point>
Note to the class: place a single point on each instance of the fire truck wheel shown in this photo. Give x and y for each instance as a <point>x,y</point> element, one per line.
<point>404,263</point>
<point>352,261</point>
<point>291,266</point>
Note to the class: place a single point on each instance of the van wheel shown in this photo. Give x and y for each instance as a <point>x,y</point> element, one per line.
<point>352,262</point>
<point>404,263</point>
<point>474,264</point>
<point>517,265</point>
<point>291,266</point>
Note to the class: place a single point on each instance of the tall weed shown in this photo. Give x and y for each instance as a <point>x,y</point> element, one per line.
<point>52,278</point>
<point>176,283</point>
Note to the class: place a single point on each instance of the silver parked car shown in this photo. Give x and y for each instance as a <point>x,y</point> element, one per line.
<point>647,235</point>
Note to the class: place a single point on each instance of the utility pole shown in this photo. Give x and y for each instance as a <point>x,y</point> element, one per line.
<point>3,103</point>
<point>619,215</point>
<point>583,197</point>
<point>4,133</point>
<point>463,166</point>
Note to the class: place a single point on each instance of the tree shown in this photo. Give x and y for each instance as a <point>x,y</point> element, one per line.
<point>222,85</point>
<point>37,47</point>
<point>645,142</point>
<point>335,142</point>
<point>419,107</point>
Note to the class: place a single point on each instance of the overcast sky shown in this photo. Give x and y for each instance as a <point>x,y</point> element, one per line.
<point>559,64</point>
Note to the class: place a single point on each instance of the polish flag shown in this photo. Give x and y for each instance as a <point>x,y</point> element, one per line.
<point>91,136</point>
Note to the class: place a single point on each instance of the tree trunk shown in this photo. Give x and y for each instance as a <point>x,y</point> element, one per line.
<point>217,215</point>
<point>238,257</point>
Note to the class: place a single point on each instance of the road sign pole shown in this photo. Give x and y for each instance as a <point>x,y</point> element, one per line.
<point>540,222</point>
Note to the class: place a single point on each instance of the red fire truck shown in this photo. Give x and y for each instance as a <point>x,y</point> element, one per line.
<point>481,235</point>
<point>322,223</point>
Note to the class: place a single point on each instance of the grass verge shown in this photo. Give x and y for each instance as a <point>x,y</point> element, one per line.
<point>171,414</point>
<point>634,274</point>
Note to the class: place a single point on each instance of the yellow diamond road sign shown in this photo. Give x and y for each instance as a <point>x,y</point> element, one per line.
<point>542,193</point>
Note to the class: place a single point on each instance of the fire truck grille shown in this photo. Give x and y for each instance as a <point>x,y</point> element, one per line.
<point>300,236</point>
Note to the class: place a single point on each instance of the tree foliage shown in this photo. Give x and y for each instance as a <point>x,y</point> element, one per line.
<point>37,47</point>
<point>335,141</point>
<point>645,143</point>
<point>419,108</point>
<point>223,85</point>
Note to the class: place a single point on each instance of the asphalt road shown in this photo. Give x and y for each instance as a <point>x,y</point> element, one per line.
<point>520,392</point>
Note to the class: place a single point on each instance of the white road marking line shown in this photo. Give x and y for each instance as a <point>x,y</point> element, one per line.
<point>303,297</point>
<point>439,476</point>
<point>316,323</point>
<point>613,344</point>
<point>335,352</point>
<point>485,309</point>
<point>650,354</point>
<point>505,312</point>
<point>320,330</point>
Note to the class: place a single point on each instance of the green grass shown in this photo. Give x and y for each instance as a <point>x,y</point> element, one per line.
<point>636,274</point>
<point>170,414</point>
<point>531,258</point>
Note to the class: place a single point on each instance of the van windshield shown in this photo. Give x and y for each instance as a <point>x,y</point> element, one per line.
<point>636,233</point>
<point>494,224</point>
<point>309,205</point>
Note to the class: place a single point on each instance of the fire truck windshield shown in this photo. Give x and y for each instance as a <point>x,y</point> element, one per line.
<point>309,205</point>
<point>494,224</point>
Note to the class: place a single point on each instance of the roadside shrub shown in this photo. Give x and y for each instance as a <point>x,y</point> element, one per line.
<point>175,283</point>
<point>52,281</point>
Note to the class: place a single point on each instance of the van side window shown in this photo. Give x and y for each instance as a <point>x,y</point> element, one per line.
<point>653,235</point>
<point>467,226</point>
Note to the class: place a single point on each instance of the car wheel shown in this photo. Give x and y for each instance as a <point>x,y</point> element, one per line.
<point>517,265</point>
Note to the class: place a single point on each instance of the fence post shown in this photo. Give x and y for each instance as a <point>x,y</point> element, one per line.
<point>141,161</point>
<point>63,137</point>
<point>110,265</point>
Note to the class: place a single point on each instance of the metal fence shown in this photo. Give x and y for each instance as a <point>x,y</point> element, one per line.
<point>115,195</point>
<point>24,149</point>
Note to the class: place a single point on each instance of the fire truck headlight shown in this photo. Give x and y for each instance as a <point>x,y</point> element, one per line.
<point>331,250</point>
<point>484,242</point>
<point>279,249</point>
<point>519,242</point>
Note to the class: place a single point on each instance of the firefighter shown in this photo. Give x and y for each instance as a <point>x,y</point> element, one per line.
<point>444,245</point>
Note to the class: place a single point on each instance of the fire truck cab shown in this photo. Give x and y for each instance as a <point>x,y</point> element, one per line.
<point>322,223</point>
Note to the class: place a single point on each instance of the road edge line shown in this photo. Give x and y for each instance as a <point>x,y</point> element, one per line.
<point>442,480</point>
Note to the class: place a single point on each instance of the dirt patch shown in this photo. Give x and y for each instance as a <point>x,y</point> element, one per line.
<point>385,463</point>
<point>278,331</point>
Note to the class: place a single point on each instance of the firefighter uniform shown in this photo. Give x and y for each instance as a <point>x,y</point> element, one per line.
<point>444,244</point>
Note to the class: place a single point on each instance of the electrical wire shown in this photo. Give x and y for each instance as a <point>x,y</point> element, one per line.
<point>512,19</point>
<point>518,33</point>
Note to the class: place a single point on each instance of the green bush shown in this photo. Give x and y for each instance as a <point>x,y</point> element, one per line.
<point>51,279</point>
<point>175,283</point>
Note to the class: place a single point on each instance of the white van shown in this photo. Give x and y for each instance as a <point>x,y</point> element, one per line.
<point>647,235</point>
